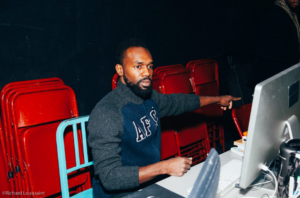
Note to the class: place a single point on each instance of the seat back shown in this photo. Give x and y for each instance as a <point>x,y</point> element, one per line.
<point>241,117</point>
<point>29,83</point>
<point>206,82</point>
<point>178,81</point>
<point>191,63</point>
<point>160,69</point>
<point>63,170</point>
<point>38,106</point>
<point>205,72</point>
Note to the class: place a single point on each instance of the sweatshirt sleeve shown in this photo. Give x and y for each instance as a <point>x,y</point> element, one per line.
<point>105,127</point>
<point>175,104</point>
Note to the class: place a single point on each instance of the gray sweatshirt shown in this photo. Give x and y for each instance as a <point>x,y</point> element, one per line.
<point>106,129</point>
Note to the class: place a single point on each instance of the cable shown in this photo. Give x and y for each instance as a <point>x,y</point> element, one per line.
<point>265,195</point>
<point>265,168</point>
<point>264,182</point>
<point>257,187</point>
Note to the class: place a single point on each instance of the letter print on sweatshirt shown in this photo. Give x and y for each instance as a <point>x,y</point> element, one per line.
<point>154,117</point>
<point>146,122</point>
<point>140,135</point>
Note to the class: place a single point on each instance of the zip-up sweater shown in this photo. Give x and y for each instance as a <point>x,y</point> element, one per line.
<point>124,133</point>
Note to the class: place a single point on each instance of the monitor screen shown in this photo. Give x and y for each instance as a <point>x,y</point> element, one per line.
<point>275,106</point>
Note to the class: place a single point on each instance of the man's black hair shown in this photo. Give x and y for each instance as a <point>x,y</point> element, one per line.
<point>132,42</point>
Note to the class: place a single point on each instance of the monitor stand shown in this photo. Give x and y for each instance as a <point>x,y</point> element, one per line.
<point>293,127</point>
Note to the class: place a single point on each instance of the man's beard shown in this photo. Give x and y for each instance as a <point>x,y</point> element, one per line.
<point>137,90</point>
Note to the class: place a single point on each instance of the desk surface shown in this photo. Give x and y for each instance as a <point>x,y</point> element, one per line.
<point>179,185</point>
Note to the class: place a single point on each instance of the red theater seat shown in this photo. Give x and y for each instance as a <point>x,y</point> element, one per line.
<point>31,112</point>
<point>190,132</point>
<point>206,82</point>
<point>241,117</point>
<point>13,176</point>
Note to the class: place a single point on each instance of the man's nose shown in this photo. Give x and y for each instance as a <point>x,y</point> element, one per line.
<point>146,71</point>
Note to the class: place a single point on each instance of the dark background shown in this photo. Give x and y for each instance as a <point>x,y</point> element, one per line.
<point>76,40</point>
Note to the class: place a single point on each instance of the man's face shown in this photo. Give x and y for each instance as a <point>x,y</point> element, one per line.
<point>293,4</point>
<point>138,70</point>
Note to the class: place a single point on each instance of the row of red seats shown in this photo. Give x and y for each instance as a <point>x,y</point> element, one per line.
<point>32,110</point>
<point>190,134</point>
<point>30,114</point>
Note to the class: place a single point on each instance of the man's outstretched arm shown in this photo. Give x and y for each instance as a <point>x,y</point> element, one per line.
<point>224,101</point>
<point>177,166</point>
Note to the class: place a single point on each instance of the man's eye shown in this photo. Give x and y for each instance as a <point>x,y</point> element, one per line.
<point>137,67</point>
<point>150,66</point>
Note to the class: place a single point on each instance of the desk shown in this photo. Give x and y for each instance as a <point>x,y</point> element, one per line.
<point>179,185</point>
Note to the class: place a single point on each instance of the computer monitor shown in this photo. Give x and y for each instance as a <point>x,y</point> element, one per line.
<point>275,111</point>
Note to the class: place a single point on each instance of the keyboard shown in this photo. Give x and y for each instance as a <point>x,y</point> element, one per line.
<point>229,176</point>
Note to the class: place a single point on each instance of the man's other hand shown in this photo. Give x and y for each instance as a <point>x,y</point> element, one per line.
<point>226,101</point>
<point>178,166</point>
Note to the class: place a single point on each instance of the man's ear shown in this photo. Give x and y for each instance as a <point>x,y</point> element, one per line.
<point>119,69</point>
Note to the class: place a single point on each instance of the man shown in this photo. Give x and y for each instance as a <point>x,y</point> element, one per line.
<point>278,41</point>
<point>124,127</point>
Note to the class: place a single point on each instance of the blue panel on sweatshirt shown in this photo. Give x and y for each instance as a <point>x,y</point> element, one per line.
<point>141,138</point>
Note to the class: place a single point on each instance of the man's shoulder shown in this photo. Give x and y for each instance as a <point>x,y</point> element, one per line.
<point>106,111</point>
<point>108,103</point>
<point>110,98</point>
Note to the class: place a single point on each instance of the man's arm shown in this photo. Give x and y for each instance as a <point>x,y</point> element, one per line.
<point>224,101</point>
<point>177,166</point>
<point>175,104</point>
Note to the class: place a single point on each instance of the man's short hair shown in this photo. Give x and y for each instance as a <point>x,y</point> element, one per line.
<point>132,42</point>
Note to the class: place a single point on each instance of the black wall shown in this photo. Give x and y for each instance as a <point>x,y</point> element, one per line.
<point>76,40</point>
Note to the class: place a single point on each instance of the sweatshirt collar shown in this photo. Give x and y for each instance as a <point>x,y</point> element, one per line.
<point>127,95</point>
